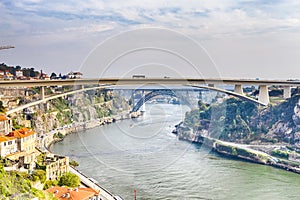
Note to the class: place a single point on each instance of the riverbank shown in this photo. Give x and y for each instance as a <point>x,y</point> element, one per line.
<point>104,193</point>
<point>47,139</point>
<point>234,150</point>
<point>58,134</point>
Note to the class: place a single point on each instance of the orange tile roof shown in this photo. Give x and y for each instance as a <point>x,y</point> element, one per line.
<point>4,138</point>
<point>21,133</point>
<point>80,194</point>
<point>90,190</point>
<point>3,118</point>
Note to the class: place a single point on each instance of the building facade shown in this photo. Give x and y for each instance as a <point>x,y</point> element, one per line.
<point>55,166</point>
<point>8,145</point>
<point>5,125</point>
<point>25,139</point>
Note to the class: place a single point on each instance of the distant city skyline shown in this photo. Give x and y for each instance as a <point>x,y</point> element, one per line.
<point>240,39</point>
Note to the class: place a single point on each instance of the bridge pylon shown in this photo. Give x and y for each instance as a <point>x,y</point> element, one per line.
<point>42,92</point>
<point>238,89</point>
<point>263,95</point>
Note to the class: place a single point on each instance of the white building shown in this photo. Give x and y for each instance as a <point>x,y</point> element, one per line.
<point>8,145</point>
<point>19,73</point>
<point>5,125</point>
<point>73,75</point>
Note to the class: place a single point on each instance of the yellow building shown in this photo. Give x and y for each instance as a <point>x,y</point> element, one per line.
<point>54,165</point>
<point>25,139</point>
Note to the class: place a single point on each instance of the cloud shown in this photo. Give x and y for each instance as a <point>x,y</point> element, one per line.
<point>35,23</point>
<point>212,17</point>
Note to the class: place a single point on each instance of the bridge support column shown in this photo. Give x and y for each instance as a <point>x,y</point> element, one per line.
<point>238,89</point>
<point>287,92</point>
<point>132,99</point>
<point>263,94</point>
<point>42,92</point>
<point>143,97</point>
<point>200,95</point>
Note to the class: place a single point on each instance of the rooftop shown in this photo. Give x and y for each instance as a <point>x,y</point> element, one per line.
<point>21,133</point>
<point>3,118</point>
<point>4,138</point>
<point>63,193</point>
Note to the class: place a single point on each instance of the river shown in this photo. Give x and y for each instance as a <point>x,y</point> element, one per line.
<point>143,154</point>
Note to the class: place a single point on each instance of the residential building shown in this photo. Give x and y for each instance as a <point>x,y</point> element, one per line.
<point>26,139</point>
<point>74,75</point>
<point>1,74</point>
<point>8,75</point>
<point>54,165</point>
<point>8,145</point>
<point>5,125</point>
<point>44,76</point>
<point>63,193</point>
<point>19,73</point>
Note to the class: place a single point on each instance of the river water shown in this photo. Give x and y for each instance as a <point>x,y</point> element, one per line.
<point>143,154</point>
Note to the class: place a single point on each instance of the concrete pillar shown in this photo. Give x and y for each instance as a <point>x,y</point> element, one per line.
<point>200,95</point>
<point>42,92</point>
<point>143,97</point>
<point>263,94</point>
<point>238,89</point>
<point>132,98</point>
<point>287,92</point>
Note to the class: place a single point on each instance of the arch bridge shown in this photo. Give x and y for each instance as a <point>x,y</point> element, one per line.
<point>158,92</point>
<point>184,100</point>
<point>263,98</point>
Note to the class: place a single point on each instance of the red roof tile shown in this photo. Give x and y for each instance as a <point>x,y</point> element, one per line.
<point>67,193</point>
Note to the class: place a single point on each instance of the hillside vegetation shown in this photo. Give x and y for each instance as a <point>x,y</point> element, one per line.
<point>244,122</point>
<point>17,185</point>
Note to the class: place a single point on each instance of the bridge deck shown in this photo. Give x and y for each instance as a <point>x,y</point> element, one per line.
<point>143,81</point>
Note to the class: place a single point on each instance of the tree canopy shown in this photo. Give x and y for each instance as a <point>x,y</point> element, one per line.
<point>69,179</point>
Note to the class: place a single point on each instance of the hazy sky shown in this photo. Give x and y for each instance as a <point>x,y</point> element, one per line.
<point>211,38</point>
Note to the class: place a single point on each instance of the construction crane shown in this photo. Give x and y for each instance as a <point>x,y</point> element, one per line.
<point>6,47</point>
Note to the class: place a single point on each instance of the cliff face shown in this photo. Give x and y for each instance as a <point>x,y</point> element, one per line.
<point>81,107</point>
<point>240,121</point>
<point>286,123</point>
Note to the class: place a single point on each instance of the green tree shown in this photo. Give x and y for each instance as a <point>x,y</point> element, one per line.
<point>69,179</point>
<point>31,72</point>
<point>41,174</point>
<point>50,183</point>
<point>18,67</point>
<point>74,163</point>
<point>53,76</point>
<point>2,109</point>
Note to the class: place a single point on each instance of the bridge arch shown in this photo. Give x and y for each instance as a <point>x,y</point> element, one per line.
<point>170,92</point>
<point>154,93</point>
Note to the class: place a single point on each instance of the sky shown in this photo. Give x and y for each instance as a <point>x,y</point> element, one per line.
<point>201,38</point>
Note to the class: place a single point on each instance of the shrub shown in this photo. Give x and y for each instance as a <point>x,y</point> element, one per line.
<point>50,183</point>
<point>74,163</point>
<point>69,179</point>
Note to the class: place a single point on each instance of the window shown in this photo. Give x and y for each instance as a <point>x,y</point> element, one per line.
<point>10,143</point>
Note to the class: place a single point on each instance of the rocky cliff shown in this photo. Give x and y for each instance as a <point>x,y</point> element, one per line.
<point>243,122</point>
<point>79,108</point>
